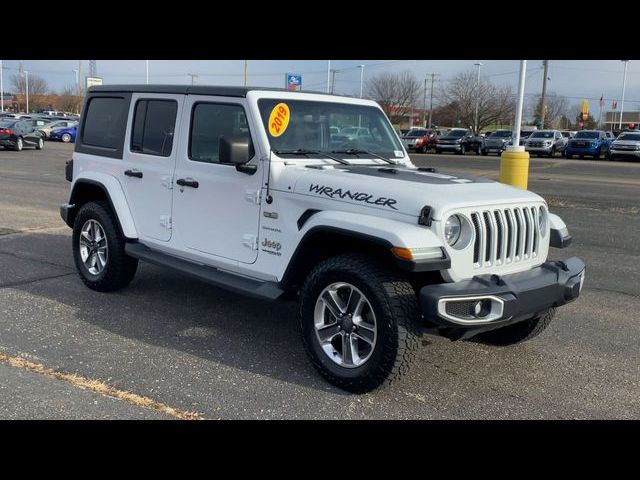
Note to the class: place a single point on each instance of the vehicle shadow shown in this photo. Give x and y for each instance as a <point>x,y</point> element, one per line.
<point>172,311</point>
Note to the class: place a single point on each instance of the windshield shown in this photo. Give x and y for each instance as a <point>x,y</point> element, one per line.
<point>311,127</point>
<point>541,135</point>
<point>629,136</point>
<point>501,134</point>
<point>417,133</point>
<point>586,135</point>
<point>456,133</point>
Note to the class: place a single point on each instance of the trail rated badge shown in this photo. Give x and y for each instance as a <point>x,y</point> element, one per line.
<point>279,119</point>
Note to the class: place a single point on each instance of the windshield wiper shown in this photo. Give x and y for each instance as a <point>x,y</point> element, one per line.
<point>358,152</point>
<point>306,153</point>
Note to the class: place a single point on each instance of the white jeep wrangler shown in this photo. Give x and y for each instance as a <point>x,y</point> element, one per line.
<point>256,190</point>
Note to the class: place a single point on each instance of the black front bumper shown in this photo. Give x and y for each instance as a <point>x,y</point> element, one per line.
<point>512,298</point>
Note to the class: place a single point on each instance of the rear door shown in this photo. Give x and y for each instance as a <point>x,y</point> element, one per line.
<point>149,159</point>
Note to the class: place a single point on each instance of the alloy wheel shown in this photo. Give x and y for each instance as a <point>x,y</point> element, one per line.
<point>94,251</point>
<point>345,325</point>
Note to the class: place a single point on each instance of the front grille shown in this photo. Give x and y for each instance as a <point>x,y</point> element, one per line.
<point>504,236</point>
<point>625,147</point>
<point>537,144</point>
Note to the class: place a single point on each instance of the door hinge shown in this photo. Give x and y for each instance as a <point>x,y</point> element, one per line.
<point>165,221</point>
<point>167,182</point>
<point>253,196</point>
<point>250,241</point>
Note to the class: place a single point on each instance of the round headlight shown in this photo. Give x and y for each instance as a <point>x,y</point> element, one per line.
<point>452,229</point>
<point>542,221</point>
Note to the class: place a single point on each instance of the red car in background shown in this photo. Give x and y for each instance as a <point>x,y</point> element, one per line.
<point>420,139</point>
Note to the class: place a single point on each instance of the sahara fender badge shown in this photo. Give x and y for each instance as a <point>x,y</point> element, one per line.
<point>279,119</point>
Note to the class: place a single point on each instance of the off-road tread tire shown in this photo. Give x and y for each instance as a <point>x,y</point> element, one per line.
<point>519,332</point>
<point>400,316</point>
<point>120,268</point>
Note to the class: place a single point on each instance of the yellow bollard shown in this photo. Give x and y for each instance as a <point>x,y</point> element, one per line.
<point>514,168</point>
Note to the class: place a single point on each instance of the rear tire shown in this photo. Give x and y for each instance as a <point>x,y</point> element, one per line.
<point>119,268</point>
<point>66,138</point>
<point>19,145</point>
<point>519,332</point>
<point>40,144</point>
<point>392,302</point>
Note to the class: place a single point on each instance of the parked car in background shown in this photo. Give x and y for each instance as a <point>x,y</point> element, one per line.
<point>610,135</point>
<point>46,130</point>
<point>420,139</point>
<point>497,142</point>
<point>65,135</point>
<point>39,122</point>
<point>568,133</point>
<point>355,133</point>
<point>626,146</point>
<point>588,143</point>
<point>545,142</point>
<point>525,132</point>
<point>17,134</point>
<point>458,140</point>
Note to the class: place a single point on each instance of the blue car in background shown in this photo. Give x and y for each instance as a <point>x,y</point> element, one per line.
<point>66,135</point>
<point>588,143</point>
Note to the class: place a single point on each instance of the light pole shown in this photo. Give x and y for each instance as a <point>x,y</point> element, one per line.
<point>26,76</point>
<point>475,125</point>
<point>361,67</point>
<point>246,65</point>
<point>193,77</point>
<point>328,75</point>
<point>624,84</point>
<point>147,68</point>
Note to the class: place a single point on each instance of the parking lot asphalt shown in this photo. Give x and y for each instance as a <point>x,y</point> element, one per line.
<point>197,348</point>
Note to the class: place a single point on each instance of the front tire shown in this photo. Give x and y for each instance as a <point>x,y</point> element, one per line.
<point>66,138</point>
<point>40,144</point>
<point>518,332</point>
<point>98,249</point>
<point>359,322</point>
<point>19,145</point>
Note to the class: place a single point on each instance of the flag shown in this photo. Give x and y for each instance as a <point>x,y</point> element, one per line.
<point>614,105</point>
<point>602,100</point>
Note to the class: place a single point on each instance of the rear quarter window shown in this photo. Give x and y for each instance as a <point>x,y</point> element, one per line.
<point>104,125</point>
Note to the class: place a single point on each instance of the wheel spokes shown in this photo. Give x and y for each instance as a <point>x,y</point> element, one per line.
<point>347,349</point>
<point>332,302</point>
<point>328,332</point>
<point>366,333</point>
<point>355,303</point>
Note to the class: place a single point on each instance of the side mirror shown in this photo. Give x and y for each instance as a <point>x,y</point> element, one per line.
<point>236,150</point>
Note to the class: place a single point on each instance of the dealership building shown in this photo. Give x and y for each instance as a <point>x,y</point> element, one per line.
<point>611,119</point>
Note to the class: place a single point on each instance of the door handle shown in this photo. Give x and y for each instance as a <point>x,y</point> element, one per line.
<point>133,173</point>
<point>187,182</point>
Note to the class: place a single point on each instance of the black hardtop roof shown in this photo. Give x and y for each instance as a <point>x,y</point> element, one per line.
<point>222,91</point>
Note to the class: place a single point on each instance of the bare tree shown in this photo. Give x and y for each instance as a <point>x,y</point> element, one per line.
<point>397,94</point>
<point>38,88</point>
<point>556,105</point>
<point>496,104</point>
<point>69,100</point>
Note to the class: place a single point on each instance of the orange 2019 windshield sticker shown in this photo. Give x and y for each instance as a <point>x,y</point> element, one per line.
<point>279,119</point>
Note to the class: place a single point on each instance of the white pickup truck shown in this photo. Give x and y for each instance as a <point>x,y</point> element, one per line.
<point>248,189</point>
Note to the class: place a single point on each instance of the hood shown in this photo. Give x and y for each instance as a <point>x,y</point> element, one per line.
<point>401,189</point>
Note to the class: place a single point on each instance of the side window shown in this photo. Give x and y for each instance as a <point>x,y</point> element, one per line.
<point>209,122</point>
<point>103,122</point>
<point>153,127</point>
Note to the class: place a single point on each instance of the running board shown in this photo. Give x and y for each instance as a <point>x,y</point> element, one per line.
<point>211,275</point>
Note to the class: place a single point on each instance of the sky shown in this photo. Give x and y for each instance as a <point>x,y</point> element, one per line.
<point>575,79</point>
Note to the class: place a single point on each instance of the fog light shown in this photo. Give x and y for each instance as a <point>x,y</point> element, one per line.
<point>482,308</point>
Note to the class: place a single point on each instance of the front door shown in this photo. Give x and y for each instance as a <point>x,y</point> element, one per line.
<point>149,158</point>
<point>217,208</point>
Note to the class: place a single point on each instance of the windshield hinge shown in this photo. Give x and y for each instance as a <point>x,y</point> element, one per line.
<point>250,241</point>
<point>254,196</point>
